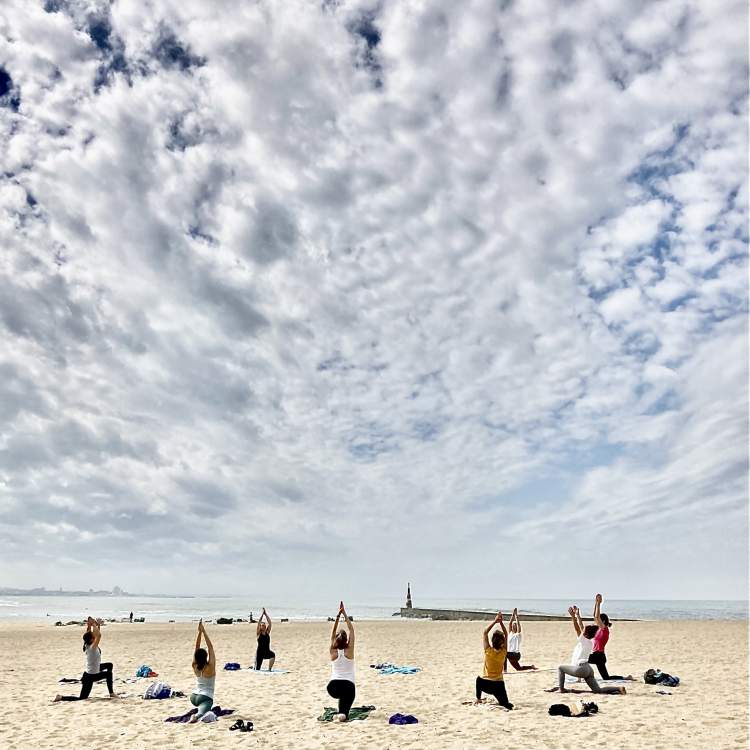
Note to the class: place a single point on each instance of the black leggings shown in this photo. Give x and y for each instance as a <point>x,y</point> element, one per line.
<point>344,691</point>
<point>88,680</point>
<point>260,655</point>
<point>514,657</point>
<point>495,688</point>
<point>600,659</point>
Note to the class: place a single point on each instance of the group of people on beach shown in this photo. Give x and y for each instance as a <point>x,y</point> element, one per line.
<point>499,648</point>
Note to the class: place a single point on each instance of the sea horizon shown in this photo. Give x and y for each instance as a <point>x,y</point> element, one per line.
<point>187,608</point>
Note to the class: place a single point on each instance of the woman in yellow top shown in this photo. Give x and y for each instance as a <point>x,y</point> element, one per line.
<point>495,651</point>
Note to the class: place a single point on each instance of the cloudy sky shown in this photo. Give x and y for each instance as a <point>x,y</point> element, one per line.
<point>316,297</point>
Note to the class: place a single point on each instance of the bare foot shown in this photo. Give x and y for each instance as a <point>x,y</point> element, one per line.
<point>58,698</point>
<point>623,691</point>
<point>113,695</point>
<point>564,690</point>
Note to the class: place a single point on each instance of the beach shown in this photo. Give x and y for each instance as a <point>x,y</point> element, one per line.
<point>708,710</point>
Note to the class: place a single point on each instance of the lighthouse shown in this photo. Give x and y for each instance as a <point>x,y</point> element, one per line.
<point>408,596</point>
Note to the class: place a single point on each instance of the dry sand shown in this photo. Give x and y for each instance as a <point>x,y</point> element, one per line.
<point>708,710</point>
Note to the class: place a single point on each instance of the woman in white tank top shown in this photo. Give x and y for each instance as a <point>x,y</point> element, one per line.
<point>341,651</point>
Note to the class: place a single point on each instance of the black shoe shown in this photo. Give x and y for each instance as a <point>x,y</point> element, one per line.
<point>239,724</point>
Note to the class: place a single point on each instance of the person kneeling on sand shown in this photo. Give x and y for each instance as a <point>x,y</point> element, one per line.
<point>263,632</point>
<point>598,657</point>
<point>204,669</point>
<point>580,666</point>
<point>495,651</point>
<point>95,670</point>
<point>514,645</point>
<point>341,651</point>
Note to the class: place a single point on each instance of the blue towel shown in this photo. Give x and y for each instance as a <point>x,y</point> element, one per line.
<point>400,670</point>
<point>232,666</point>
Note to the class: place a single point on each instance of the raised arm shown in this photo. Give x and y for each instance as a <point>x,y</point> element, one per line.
<point>502,626</point>
<point>580,619</point>
<point>257,627</point>
<point>198,637</point>
<point>209,646</point>
<point>597,610</point>
<point>572,613</point>
<point>268,620</point>
<point>349,626</point>
<point>515,616</point>
<point>335,628</point>
<point>97,634</point>
<point>486,631</point>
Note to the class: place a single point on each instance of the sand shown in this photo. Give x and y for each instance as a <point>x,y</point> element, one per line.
<point>708,710</point>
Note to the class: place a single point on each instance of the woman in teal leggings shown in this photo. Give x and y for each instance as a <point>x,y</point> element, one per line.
<point>204,669</point>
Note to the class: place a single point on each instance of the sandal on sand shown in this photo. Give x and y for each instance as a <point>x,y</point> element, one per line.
<point>248,727</point>
<point>239,724</point>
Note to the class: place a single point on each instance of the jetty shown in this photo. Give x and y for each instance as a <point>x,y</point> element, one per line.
<point>428,613</point>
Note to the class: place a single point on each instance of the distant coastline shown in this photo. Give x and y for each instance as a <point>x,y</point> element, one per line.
<point>116,591</point>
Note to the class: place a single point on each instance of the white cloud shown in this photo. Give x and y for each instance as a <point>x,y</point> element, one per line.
<point>291,284</point>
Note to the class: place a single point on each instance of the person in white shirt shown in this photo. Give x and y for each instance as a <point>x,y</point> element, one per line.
<point>95,669</point>
<point>514,645</point>
<point>579,666</point>
<point>341,651</point>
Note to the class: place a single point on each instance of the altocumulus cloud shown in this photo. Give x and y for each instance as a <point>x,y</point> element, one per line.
<point>322,295</point>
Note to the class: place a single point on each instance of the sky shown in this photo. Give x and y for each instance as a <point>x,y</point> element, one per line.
<point>316,298</point>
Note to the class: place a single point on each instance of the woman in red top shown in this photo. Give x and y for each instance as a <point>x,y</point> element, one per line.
<point>597,656</point>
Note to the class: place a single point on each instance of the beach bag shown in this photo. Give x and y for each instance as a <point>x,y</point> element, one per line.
<point>231,666</point>
<point>157,691</point>
<point>657,677</point>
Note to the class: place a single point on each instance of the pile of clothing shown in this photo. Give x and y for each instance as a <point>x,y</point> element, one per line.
<point>579,709</point>
<point>145,671</point>
<point>657,677</point>
<point>160,690</point>
<point>403,719</point>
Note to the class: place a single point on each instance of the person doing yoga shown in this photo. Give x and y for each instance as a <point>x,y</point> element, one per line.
<point>495,651</point>
<point>95,670</point>
<point>341,650</point>
<point>204,669</point>
<point>598,657</point>
<point>579,666</point>
<point>514,644</point>
<point>263,631</point>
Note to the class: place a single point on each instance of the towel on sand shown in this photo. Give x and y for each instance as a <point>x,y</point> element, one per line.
<point>267,671</point>
<point>391,669</point>
<point>185,718</point>
<point>357,712</point>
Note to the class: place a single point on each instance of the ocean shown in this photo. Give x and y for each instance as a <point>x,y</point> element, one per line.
<point>187,609</point>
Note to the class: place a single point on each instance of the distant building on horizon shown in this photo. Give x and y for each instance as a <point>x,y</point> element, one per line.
<point>408,596</point>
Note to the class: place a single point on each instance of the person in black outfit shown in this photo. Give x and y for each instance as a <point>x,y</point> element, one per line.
<point>263,631</point>
<point>95,669</point>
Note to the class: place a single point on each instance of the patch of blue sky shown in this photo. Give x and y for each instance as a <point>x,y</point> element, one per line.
<point>427,430</point>
<point>669,401</point>
<point>371,441</point>
<point>662,164</point>
<point>552,485</point>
